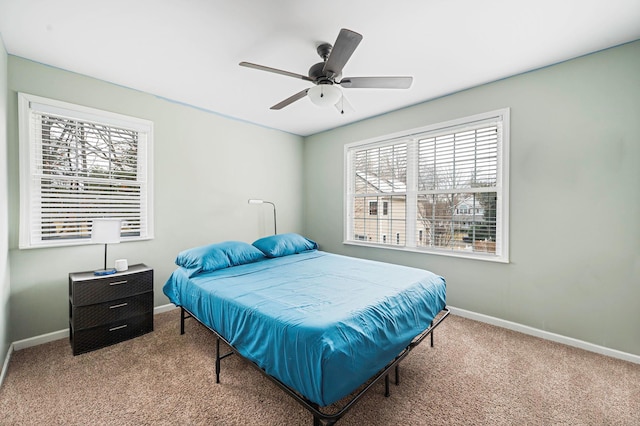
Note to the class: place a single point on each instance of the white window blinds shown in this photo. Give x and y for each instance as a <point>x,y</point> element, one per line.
<point>380,176</point>
<point>463,159</point>
<point>457,188</point>
<point>79,164</point>
<point>445,187</point>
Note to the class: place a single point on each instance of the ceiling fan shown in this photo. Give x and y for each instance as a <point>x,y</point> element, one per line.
<point>327,75</point>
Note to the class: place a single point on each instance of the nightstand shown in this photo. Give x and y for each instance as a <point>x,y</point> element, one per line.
<point>108,309</point>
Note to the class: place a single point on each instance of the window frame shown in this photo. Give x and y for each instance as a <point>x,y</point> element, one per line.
<point>28,106</point>
<point>502,185</point>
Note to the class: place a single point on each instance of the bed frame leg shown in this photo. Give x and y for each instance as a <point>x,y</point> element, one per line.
<point>327,422</point>
<point>397,374</point>
<point>387,392</point>
<point>218,360</point>
<point>182,314</point>
<point>431,325</point>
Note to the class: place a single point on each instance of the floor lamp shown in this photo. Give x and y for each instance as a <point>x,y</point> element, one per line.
<point>275,223</point>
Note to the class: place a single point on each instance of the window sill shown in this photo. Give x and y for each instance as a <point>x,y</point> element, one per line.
<point>449,253</point>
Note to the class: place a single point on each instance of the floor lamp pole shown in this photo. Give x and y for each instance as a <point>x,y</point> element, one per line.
<point>275,222</point>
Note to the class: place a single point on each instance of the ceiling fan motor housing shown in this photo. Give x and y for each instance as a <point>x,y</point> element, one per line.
<point>319,77</point>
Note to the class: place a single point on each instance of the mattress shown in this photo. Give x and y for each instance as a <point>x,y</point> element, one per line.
<point>321,323</point>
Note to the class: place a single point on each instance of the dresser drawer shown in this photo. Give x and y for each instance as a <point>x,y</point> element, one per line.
<point>98,337</point>
<point>111,287</point>
<point>87,316</point>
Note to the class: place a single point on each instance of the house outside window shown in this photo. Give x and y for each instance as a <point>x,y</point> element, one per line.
<point>444,187</point>
<point>78,164</point>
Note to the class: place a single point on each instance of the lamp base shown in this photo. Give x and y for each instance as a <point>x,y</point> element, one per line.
<point>105,271</point>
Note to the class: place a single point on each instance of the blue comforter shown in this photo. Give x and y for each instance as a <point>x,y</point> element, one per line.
<point>320,323</point>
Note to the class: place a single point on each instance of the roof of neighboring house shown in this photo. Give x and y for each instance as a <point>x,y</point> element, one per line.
<point>381,184</point>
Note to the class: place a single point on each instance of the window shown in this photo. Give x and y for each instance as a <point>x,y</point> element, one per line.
<point>444,188</point>
<point>78,164</point>
<point>373,208</point>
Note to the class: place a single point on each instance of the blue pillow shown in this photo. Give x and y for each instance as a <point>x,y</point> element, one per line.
<point>240,253</point>
<point>217,256</point>
<point>284,245</point>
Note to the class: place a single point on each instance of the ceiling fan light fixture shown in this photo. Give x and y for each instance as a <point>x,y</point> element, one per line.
<point>324,95</point>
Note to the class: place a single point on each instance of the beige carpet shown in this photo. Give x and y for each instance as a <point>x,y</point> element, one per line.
<point>476,374</point>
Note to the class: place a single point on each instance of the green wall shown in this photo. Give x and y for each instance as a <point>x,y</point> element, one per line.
<point>574,198</point>
<point>4,209</point>
<point>206,167</point>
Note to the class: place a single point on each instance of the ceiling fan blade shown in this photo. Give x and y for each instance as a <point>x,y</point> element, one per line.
<point>275,70</point>
<point>290,99</point>
<point>376,82</point>
<point>342,50</point>
<point>344,106</point>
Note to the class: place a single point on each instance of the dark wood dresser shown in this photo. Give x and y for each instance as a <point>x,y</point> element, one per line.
<point>108,309</point>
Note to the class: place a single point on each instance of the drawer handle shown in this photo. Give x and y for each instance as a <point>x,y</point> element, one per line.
<point>117,328</point>
<point>118,282</point>
<point>118,306</point>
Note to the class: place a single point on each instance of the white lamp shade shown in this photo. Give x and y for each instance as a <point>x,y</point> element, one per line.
<point>324,94</point>
<point>106,231</point>
<point>253,201</point>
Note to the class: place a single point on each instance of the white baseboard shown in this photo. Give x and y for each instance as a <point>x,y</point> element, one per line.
<point>41,339</point>
<point>5,366</point>
<point>569,341</point>
<point>64,334</point>
<point>164,308</point>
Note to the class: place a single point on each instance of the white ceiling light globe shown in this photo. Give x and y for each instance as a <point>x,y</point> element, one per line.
<point>324,94</point>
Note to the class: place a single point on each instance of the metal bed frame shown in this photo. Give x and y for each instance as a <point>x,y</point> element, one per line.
<point>320,417</point>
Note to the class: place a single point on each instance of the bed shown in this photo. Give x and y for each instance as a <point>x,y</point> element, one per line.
<point>318,324</point>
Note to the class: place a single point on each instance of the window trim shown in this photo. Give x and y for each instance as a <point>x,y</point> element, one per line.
<point>502,185</point>
<point>77,112</point>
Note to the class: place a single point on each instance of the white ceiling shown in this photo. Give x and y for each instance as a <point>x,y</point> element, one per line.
<point>188,50</point>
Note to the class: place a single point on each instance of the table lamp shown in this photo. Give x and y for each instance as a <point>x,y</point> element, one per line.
<point>105,231</point>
